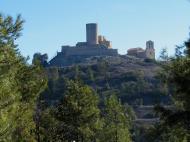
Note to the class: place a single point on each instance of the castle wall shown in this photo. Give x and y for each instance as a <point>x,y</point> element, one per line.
<point>92,51</point>
<point>137,52</point>
<point>73,55</point>
<point>141,54</point>
<point>102,41</point>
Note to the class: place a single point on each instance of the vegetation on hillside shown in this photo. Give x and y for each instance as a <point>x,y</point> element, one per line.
<point>90,101</point>
<point>20,85</point>
<point>174,124</point>
<point>134,82</point>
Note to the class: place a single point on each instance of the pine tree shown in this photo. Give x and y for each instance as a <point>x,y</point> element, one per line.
<point>78,113</point>
<point>20,85</point>
<point>174,123</point>
<point>116,122</point>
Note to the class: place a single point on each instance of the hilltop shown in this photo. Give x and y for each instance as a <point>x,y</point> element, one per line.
<point>134,80</point>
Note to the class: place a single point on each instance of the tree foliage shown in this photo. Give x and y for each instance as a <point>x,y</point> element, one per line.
<point>20,85</point>
<point>116,122</point>
<point>175,122</point>
<point>78,113</point>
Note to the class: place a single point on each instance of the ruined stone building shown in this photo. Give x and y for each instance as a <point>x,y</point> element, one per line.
<point>95,45</point>
<point>148,53</point>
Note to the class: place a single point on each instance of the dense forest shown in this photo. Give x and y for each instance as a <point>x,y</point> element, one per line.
<point>95,101</point>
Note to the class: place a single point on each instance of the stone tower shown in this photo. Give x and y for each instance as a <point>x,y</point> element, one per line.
<point>150,51</point>
<point>92,34</point>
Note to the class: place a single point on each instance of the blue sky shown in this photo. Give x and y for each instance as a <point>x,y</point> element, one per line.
<point>127,23</point>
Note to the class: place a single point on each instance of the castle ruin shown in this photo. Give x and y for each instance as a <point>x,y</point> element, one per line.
<point>95,45</point>
<point>148,53</point>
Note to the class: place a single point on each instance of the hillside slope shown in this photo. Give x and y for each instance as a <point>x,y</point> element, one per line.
<point>133,80</point>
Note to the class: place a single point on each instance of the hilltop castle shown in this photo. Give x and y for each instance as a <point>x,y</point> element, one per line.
<point>95,45</point>
<point>148,53</point>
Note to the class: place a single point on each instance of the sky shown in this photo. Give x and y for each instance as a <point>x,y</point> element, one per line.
<point>49,24</point>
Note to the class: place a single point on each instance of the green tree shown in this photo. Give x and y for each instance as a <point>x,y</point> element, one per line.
<point>20,85</point>
<point>78,113</point>
<point>10,30</point>
<point>116,122</point>
<point>47,125</point>
<point>174,123</point>
<point>40,58</point>
<point>90,74</point>
<point>164,55</point>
